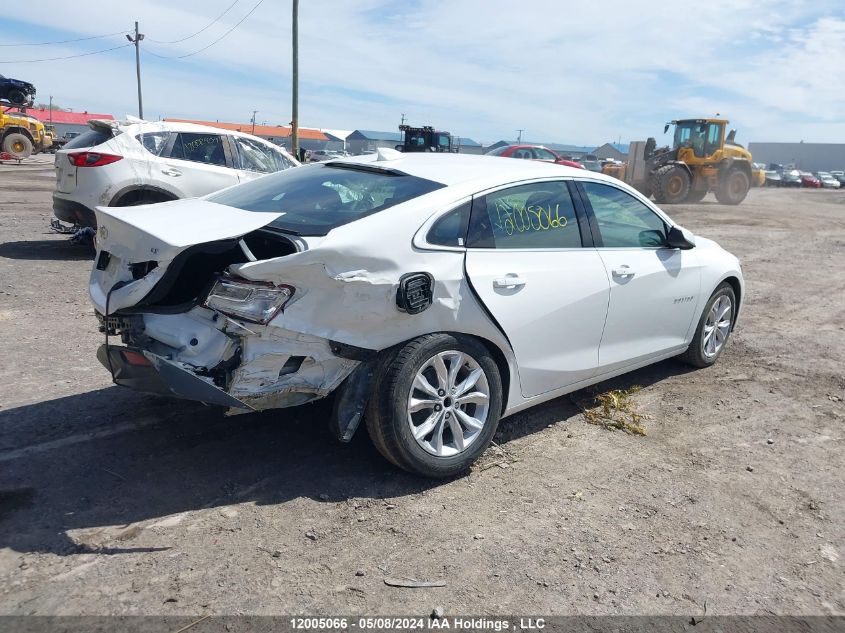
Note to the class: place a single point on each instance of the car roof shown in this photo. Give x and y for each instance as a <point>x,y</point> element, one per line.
<point>455,169</point>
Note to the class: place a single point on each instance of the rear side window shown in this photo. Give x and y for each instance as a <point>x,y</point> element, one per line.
<point>540,215</point>
<point>255,156</point>
<point>91,138</point>
<point>316,198</point>
<point>153,142</point>
<point>451,229</point>
<point>199,148</point>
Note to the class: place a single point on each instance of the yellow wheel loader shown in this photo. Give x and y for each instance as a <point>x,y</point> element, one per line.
<point>701,159</point>
<point>22,135</point>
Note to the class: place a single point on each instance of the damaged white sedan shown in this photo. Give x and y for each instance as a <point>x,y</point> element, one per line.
<point>431,295</point>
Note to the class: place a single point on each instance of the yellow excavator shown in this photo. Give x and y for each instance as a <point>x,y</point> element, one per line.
<point>701,159</point>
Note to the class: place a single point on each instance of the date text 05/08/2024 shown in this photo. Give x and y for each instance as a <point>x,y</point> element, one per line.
<point>417,624</point>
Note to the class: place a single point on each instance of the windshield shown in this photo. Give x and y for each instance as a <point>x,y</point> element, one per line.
<point>316,198</point>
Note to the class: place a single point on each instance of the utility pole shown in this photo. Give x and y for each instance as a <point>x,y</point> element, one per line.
<point>519,138</point>
<point>51,109</point>
<point>294,124</point>
<point>254,112</point>
<point>137,42</point>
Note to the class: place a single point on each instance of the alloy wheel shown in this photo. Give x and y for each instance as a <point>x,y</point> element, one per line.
<point>448,404</point>
<point>717,326</point>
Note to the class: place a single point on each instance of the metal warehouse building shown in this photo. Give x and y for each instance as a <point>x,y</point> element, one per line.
<point>806,156</point>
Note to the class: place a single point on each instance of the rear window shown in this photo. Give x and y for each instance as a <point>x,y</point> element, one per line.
<point>317,198</point>
<point>91,138</point>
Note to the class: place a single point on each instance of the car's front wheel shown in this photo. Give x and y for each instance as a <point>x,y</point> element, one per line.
<point>435,404</point>
<point>714,328</point>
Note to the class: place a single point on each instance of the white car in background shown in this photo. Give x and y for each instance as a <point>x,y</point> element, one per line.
<point>432,294</point>
<point>127,163</point>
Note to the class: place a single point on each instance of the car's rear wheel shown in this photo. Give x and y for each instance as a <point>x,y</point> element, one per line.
<point>714,328</point>
<point>435,405</point>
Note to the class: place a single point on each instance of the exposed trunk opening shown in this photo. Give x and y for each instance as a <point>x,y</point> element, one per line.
<point>190,275</point>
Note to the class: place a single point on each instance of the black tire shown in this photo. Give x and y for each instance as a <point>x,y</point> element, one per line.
<point>695,354</point>
<point>671,184</point>
<point>695,196</point>
<point>18,97</point>
<point>645,188</point>
<point>733,187</point>
<point>388,417</point>
<point>18,145</point>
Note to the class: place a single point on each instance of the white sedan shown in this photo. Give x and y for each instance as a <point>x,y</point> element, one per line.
<point>431,295</point>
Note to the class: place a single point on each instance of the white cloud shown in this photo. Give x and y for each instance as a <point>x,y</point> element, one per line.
<point>579,73</point>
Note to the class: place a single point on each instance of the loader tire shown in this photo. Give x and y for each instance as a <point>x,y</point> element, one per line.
<point>695,196</point>
<point>733,188</point>
<point>18,145</point>
<point>671,184</point>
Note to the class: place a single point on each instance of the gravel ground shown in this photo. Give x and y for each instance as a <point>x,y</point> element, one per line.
<point>112,502</point>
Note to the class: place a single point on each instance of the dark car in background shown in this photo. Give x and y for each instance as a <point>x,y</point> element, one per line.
<point>15,91</point>
<point>773,179</point>
<point>533,152</point>
<point>790,178</point>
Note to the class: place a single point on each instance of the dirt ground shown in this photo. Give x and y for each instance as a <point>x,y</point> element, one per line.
<point>112,502</point>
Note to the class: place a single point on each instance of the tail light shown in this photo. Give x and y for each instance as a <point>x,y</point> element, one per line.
<point>92,159</point>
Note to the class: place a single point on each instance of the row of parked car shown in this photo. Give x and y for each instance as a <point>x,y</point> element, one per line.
<point>778,176</point>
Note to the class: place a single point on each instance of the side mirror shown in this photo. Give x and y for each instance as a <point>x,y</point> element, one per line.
<point>665,128</point>
<point>679,237</point>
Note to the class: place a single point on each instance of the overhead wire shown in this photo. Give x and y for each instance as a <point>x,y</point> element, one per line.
<point>54,59</point>
<point>237,24</point>
<point>81,39</point>
<point>213,22</point>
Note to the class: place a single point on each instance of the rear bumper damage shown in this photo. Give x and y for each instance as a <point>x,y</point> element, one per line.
<point>201,355</point>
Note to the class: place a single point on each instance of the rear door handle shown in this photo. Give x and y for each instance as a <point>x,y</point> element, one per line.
<point>508,282</point>
<point>623,271</point>
<point>171,171</point>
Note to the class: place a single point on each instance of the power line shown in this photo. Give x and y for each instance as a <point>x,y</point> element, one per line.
<point>213,22</point>
<point>251,11</point>
<point>81,39</point>
<point>55,59</point>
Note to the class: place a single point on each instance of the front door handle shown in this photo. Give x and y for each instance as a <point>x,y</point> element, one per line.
<point>171,171</point>
<point>508,282</point>
<point>623,271</point>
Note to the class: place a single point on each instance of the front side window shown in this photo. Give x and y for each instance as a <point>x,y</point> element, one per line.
<point>316,198</point>
<point>539,215</point>
<point>199,148</point>
<point>624,221</point>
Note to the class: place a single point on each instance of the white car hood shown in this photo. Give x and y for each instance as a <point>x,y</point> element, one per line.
<point>164,230</point>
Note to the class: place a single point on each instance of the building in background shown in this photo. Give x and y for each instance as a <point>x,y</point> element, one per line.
<point>466,145</point>
<point>67,124</point>
<point>337,139</point>
<point>616,151</point>
<point>368,141</point>
<point>806,156</point>
<point>309,138</point>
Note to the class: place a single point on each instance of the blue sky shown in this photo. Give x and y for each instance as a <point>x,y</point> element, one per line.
<point>580,73</point>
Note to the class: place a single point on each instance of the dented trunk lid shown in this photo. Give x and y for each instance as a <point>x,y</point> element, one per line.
<point>156,234</point>
<point>161,231</point>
